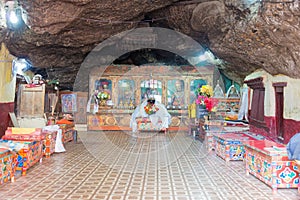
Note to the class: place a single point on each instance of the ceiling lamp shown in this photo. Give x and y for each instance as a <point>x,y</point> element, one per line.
<point>15,15</point>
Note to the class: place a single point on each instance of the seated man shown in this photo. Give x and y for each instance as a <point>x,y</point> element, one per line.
<point>293,147</point>
<point>156,112</point>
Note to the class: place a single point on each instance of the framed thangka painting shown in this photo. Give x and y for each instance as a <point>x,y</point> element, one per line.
<point>126,92</point>
<point>69,103</point>
<point>175,92</point>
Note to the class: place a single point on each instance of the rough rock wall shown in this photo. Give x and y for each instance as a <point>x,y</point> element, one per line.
<point>260,34</point>
<point>245,34</point>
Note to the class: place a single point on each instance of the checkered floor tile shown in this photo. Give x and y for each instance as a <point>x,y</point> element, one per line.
<point>120,165</point>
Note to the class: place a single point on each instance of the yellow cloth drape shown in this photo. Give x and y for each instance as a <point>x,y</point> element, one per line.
<point>7,81</point>
<point>20,131</point>
<point>192,110</point>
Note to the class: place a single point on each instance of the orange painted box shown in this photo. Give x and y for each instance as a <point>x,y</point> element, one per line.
<point>33,134</point>
<point>28,153</point>
<point>67,132</point>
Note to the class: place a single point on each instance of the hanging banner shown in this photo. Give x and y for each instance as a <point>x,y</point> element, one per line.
<point>7,81</point>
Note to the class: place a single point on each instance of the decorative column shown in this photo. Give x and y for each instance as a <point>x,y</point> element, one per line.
<point>7,88</point>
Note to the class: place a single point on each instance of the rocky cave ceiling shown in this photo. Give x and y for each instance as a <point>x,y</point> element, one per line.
<point>245,34</point>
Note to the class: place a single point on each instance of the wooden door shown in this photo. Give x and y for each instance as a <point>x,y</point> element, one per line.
<point>279,109</point>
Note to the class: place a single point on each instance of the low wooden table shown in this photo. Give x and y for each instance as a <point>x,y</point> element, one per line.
<point>268,161</point>
<point>145,124</point>
<point>49,140</point>
<point>229,146</point>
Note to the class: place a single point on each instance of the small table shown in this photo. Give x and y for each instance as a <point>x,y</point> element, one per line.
<point>268,161</point>
<point>229,146</point>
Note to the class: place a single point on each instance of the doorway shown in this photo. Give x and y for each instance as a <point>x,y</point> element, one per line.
<point>279,108</point>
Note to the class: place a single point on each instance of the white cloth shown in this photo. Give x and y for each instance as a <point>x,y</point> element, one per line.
<point>12,145</point>
<point>243,111</point>
<point>51,128</point>
<point>59,147</point>
<point>160,115</point>
<point>88,106</point>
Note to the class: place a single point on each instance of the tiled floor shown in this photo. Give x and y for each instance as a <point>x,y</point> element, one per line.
<point>116,165</point>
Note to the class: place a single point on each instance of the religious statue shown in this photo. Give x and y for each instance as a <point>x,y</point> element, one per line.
<point>155,111</point>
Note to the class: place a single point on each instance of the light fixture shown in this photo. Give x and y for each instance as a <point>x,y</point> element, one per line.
<point>209,57</point>
<point>15,15</point>
<point>19,65</point>
<point>202,58</point>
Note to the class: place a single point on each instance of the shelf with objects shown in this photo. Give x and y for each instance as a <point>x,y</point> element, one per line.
<point>206,120</point>
<point>229,104</point>
<point>114,93</point>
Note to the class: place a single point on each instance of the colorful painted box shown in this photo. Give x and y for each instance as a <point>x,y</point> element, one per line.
<point>28,153</point>
<point>7,165</point>
<point>268,161</point>
<point>26,134</point>
<point>67,132</point>
<point>230,146</point>
<point>33,134</point>
<point>49,140</point>
<point>297,163</point>
<point>145,124</point>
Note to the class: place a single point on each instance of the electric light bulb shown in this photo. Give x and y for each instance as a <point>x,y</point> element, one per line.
<point>13,17</point>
